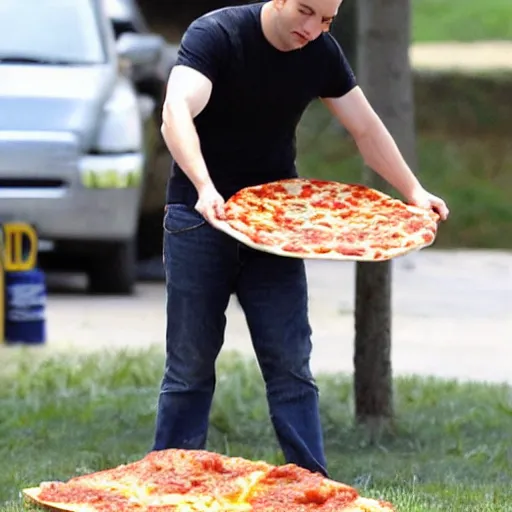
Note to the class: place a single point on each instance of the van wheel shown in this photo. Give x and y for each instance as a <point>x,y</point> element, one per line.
<point>114,269</point>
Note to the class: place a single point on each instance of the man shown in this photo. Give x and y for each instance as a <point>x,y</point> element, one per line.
<point>243,78</point>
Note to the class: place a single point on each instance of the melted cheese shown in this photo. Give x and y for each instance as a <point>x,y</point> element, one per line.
<point>248,484</point>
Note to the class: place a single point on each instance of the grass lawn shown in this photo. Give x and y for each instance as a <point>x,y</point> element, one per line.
<point>461,20</point>
<point>450,450</point>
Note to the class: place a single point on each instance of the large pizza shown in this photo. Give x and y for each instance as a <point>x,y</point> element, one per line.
<point>201,481</point>
<point>307,218</point>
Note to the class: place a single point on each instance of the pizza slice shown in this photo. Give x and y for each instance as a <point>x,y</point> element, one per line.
<point>199,474</point>
<point>201,481</point>
<point>291,488</point>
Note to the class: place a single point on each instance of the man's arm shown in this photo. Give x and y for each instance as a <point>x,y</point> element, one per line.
<point>379,150</point>
<point>188,93</point>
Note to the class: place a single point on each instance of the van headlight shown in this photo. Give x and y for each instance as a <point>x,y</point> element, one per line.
<point>120,130</point>
<point>117,156</point>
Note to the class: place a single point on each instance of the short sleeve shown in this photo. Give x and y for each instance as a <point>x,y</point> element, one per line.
<point>339,77</point>
<point>204,47</point>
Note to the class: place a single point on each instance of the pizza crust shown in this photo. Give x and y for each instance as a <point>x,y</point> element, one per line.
<point>332,255</point>
<point>32,494</point>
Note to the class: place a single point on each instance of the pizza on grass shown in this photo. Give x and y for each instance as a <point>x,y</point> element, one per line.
<point>309,218</point>
<point>201,481</point>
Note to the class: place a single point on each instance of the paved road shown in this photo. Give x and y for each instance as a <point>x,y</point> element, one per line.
<point>452,316</point>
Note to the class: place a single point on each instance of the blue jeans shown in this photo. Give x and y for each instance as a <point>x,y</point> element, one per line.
<point>203,268</point>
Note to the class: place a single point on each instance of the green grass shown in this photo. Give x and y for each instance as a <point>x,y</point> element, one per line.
<point>471,172</point>
<point>461,20</point>
<point>450,449</point>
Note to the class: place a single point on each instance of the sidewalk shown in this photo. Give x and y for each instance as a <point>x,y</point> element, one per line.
<point>479,56</point>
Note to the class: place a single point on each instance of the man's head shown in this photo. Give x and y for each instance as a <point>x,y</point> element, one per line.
<point>298,22</point>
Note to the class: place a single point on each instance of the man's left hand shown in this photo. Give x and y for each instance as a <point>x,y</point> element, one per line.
<point>424,199</point>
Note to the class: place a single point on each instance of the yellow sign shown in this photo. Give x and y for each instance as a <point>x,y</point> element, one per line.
<point>15,256</point>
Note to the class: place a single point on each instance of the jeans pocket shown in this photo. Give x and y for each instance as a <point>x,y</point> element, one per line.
<point>180,218</point>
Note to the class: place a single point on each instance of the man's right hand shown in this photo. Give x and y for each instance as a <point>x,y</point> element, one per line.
<point>210,205</point>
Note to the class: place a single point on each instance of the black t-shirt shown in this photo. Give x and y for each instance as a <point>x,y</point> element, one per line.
<point>247,129</point>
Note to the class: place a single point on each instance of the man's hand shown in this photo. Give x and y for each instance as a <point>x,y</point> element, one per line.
<point>210,205</point>
<point>420,197</point>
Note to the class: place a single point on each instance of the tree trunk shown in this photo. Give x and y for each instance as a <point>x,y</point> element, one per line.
<point>344,29</point>
<point>384,74</point>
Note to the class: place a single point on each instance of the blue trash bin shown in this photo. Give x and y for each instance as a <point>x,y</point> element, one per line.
<point>25,315</point>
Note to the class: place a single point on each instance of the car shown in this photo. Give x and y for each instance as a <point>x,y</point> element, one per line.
<point>149,79</point>
<point>72,145</point>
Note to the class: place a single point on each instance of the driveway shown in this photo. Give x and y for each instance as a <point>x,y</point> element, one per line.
<point>452,316</point>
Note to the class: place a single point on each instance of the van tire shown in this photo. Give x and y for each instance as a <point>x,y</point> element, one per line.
<point>114,269</point>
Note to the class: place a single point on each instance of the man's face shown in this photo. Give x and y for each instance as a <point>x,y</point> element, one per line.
<point>302,21</point>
